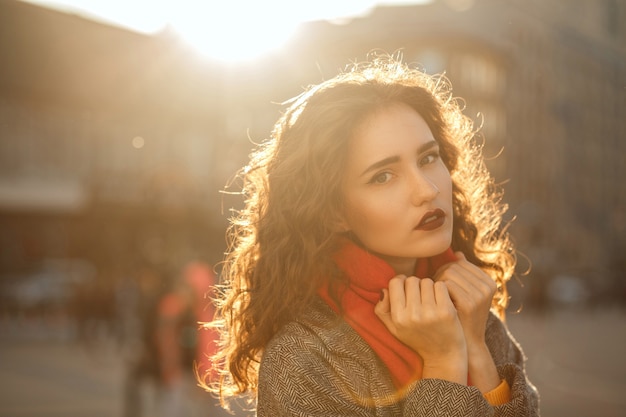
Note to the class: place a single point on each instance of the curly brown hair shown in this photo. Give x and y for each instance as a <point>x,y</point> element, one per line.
<point>281,243</point>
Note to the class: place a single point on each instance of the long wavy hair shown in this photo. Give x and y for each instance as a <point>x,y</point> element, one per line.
<point>281,243</point>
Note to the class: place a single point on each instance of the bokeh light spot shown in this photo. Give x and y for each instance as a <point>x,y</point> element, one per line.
<point>138,142</point>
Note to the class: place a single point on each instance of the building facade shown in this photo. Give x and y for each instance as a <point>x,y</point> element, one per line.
<point>114,145</point>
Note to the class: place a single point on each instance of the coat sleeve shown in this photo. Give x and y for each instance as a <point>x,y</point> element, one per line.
<point>510,361</point>
<point>437,397</point>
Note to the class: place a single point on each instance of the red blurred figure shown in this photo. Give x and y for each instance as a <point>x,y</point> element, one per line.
<point>183,345</point>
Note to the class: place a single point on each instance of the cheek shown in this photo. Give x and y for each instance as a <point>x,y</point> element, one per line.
<point>447,188</point>
<point>368,215</point>
<point>444,181</point>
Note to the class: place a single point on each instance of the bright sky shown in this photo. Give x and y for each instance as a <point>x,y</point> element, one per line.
<point>229,30</point>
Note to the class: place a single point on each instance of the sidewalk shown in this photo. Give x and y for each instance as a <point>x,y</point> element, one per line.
<point>55,379</point>
<point>576,359</point>
<point>44,372</point>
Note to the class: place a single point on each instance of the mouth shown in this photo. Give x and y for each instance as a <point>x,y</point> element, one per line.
<point>432,220</point>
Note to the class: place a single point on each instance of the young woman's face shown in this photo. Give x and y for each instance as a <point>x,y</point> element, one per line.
<point>397,191</point>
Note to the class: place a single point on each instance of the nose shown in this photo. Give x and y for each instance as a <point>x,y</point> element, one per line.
<point>423,188</point>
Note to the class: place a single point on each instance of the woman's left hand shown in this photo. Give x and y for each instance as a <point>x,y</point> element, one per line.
<point>471,290</point>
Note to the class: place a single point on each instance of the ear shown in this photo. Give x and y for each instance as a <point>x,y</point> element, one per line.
<point>341,225</point>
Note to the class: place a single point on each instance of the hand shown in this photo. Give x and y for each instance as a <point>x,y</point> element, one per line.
<point>471,290</point>
<point>420,313</point>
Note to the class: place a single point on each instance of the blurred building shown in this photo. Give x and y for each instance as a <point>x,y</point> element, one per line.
<point>115,144</point>
<point>106,148</point>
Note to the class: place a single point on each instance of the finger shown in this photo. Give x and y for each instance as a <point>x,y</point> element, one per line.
<point>383,306</point>
<point>461,278</point>
<point>470,267</point>
<point>441,271</point>
<point>412,292</point>
<point>465,294</point>
<point>397,295</point>
<point>464,263</point>
<point>457,294</point>
<point>477,278</point>
<point>469,276</point>
<point>442,296</point>
<point>427,292</point>
<point>382,309</point>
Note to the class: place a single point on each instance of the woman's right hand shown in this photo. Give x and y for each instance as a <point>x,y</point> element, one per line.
<point>420,313</point>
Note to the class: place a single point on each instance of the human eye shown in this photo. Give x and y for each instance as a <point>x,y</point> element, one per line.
<point>381,178</point>
<point>430,157</point>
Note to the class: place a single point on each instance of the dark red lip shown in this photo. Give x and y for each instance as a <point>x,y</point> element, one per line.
<point>432,220</point>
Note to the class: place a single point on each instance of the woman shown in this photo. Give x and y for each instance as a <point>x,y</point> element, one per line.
<point>368,256</point>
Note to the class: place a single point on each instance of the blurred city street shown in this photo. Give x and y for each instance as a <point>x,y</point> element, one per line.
<point>59,379</point>
<point>575,360</point>
<point>44,371</point>
<point>119,148</point>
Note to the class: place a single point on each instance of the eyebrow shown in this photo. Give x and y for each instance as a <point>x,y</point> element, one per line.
<point>393,159</point>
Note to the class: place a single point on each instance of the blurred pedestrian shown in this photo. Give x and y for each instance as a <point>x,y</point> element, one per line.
<point>142,361</point>
<point>184,347</point>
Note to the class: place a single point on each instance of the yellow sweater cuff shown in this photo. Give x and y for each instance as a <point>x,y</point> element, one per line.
<point>499,395</point>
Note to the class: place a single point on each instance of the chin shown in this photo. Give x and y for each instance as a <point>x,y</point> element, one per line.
<point>434,247</point>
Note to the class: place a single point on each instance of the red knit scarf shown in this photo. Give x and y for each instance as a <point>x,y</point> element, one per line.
<point>368,275</point>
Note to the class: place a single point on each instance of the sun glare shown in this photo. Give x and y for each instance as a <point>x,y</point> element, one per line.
<point>227,30</point>
<point>228,33</point>
<point>243,30</point>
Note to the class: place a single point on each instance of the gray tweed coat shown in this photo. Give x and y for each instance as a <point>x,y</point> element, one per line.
<point>319,366</point>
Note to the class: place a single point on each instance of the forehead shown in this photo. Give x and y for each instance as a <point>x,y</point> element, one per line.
<point>390,131</point>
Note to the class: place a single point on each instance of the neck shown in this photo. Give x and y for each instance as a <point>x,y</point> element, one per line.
<point>401,266</point>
